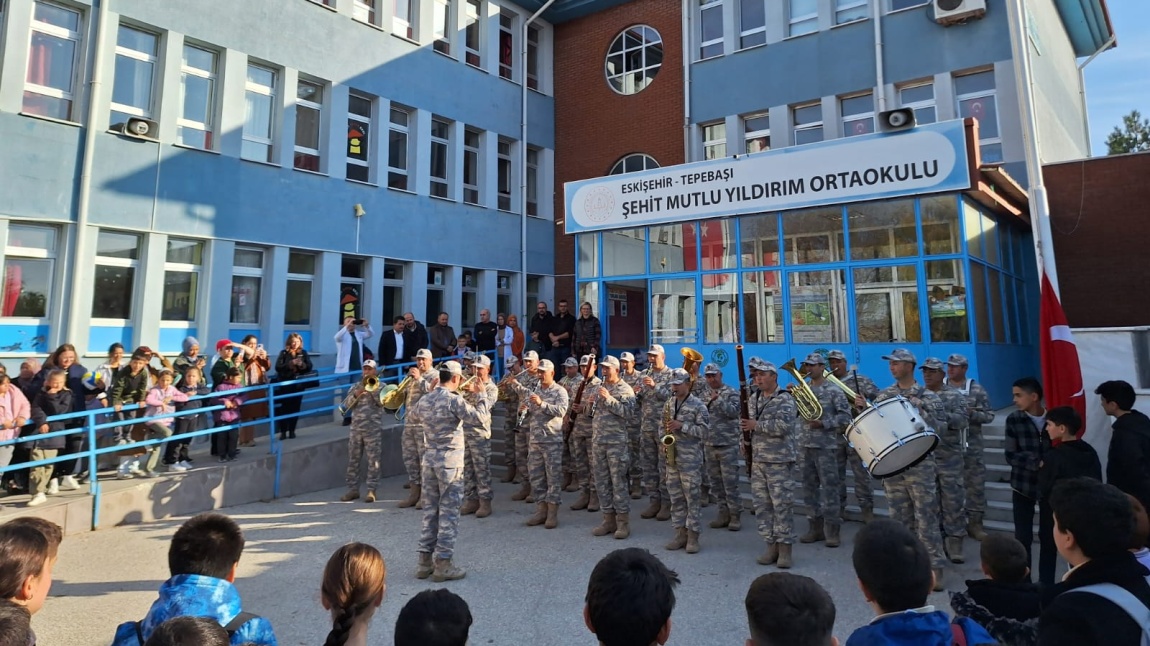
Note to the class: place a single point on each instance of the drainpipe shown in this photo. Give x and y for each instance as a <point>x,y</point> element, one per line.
<point>876,14</point>
<point>523,162</point>
<point>1082,86</point>
<point>77,322</point>
<point>687,41</point>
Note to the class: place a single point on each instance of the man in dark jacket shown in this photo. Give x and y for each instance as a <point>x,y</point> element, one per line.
<point>418,336</point>
<point>588,333</point>
<point>1128,462</point>
<point>395,346</point>
<point>485,331</point>
<point>442,338</point>
<point>1092,526</point>
<point>562,331</point>
<point>540,330</point>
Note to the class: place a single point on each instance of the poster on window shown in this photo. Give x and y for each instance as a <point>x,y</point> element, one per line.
<point>349,303</point>
<point>811,315</point>
<point>947,303</point>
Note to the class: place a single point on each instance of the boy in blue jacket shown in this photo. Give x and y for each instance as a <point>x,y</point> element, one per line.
<point>893,570</point>
<point>202,559</point>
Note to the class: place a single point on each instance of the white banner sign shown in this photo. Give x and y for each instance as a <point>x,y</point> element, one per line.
<point>927,159</point>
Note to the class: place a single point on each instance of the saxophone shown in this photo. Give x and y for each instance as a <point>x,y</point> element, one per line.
<point>668,439</point>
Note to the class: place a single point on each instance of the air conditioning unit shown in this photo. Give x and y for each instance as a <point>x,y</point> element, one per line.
<point>949,12</point>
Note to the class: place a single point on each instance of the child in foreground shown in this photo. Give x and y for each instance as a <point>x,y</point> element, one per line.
<point>353,585</point>
<point>1006,603</point>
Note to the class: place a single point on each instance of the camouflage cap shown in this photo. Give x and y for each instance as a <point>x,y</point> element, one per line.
<point>762,366</point>
<point>900,354</point>
<point>452,367</point>
<point>482,361</point>
<point>546,366</point>
<point>610,361</point>
<point>531,355</point>
<point>679,376</point>
<point>957,360</point>
<point>836,354</point>
<point>570,362</point>
<point>423,353</point>
<point>656,349</point>
<point>626,356</point>
<point>814,359</point>
<point>712,369</point>
<point>933,363</point>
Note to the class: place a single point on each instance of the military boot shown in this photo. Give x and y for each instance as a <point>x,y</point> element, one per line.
<point>469,507</point>
<point>593,503</point>
<point>704,496</point>
<point>425,568</point>
<point>524,491</point>
<point>954,549</point>
<point>785,561</point>
<point>412,497</point>
<point>540,515</point>
<point>680,540</point>
<point>938,587</point>
<point>735,524</point>
<point>664,511</point>
<point>510,475</point>
<point>867,514</point>
<point>608,526</point>
<point>722,520</point>
<point>974,527</point>
<point>636,489</point>
<point>814,533</point>
<point>832,532</point>
<point>445,571</point>
<point>484,509</point>
<point>552,515</point>
<point>351,495</point>
<point>770,555</point>
<point>584,499</point>
<point>651,510</point>
<point>370,497</point>
<point>692,542</point>
<point>567,478</point>
<point>622,526</point>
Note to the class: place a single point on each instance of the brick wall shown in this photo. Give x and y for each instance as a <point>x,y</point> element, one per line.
<point>1099,217</point>
<point>594,125</point>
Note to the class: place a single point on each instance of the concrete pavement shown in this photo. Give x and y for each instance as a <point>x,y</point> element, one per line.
<point>524,585</point>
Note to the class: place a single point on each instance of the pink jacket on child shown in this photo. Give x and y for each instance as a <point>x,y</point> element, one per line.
<point>12,405</point>
<point>156,405</point>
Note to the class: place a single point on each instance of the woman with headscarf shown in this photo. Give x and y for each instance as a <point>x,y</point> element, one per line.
<point>518,339</point>
<point>189,358</point>
<point>255,368</point>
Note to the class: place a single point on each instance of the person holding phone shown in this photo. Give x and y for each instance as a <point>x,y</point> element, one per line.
<point>255,366</point>
<point>349,344</point>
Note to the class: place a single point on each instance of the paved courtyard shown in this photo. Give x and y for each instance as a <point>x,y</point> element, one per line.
<point>524,585</point>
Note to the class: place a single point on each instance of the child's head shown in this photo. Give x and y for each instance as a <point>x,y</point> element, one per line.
<point>193,376</point>
<point>209,544</point>
<point>1004,559</point>
<point>1091,520</point>
<point>234,376</point>
<point>1116,396</point>
<point>26,560</point>
<point>353,585</point>
<point>189,631</point>
<point>630,598</point>
<point>138,362</point>
<point>1141,534</point>
<point>55,381</point>
<point>1027,393</point>
<point>15,625</point>
<point>166,378</point>
<point>1063,423</point>
<point>50,530</point>
<point>786,609</point>
<point>433,618</point>
<point>892,566</point>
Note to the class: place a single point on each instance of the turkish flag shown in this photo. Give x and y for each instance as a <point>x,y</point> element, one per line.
<point>714,242</point>
<point>1061,372</point>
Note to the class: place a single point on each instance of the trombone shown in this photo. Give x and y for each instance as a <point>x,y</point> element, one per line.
<point>805,399</point>
<point>367,385</point>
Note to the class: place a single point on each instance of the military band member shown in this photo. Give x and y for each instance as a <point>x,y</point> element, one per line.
<point>443,412</point>
<point>722,447</point>
<point>948,457</point>
<point>819,442</point>
<point>423,382</point>
<point>979,412</point>
<point>913,494</point>
<point>510,405</point>
<point>863,482</point>
<point>773,414</point>
<point>365,440</point>
<point>614,403</point>
<point>570,382</point>
<point>581,442</point>
<point>632,376</point>
<point>699,390</point>
<point>546,408</point>
<point>477,489</point>
<point>529,379</point>
<point>653,393</point>
<point>688,423</point>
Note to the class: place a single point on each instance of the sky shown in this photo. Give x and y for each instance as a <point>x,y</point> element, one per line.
<point>1118,80</point>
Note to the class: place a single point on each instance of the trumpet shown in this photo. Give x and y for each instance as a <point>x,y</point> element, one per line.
<point>668,440</point>
<point>806,400</point>
<point>367,385</point>
<point>522,416</point>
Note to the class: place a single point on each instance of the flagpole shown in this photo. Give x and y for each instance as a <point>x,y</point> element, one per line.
<point>1039,206</point>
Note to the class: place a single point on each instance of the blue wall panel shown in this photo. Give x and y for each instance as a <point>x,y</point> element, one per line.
<point>38,164</point>
<point>172,340</point>
<point>100,337</point>
<point>19,338</point>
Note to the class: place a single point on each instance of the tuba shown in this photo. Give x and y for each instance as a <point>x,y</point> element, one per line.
<point>691,359</point>
<point>805,398</point>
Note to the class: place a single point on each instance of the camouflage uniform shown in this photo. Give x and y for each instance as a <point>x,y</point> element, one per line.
<point>652,462</point>
<point>510,403</point>
<point>722,446</point>
<point>413,445</point>
<point>821,472</point>
<point>913,494</point>
<point>477,458</point>
<point>545,424</point>
<point>442,413</point>
<point>685,476</point>
<point>948,461</point>
<point>365,439</point>
<point>772,476</point>
<point>863,482</point>
<point>581,438</point>
<point>610,455</point>
<point>522,435</point>
<point>571,385</point>
<point>634,426</point>
<point>979,412</point>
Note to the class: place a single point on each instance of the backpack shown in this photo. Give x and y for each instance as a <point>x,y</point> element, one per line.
<point>231,628</point>
<point>1129,603</point>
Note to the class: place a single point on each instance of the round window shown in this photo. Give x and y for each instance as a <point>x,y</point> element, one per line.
<point>634,59</point>
<point>633,163</point>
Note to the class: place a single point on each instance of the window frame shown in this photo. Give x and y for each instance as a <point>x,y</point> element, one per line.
<point>846,6</point>
<point>919,105</point>
<point>296,277</point>
<point>711,143</point>
<point>511,32</point>
<point>744,33</point>
<point>405,130</point>
<point>620,166</point>
<point>365,11</point>
<point>405,29</point>
<point>506,161</point>
<point>62,33</point>
<point>248,272</point>
<point>152,59</point>
<point>644,69</point>
<point>268,91</point>
<point>34,253</point>
<point>751,135</point>
<point>445,142</point>
<point>714,6</point>
<point>473,56</point>
<point>796,127</point>
<point>532,179</point>
<point>185,268</point>
<point>368,121</point>
<point>845,119</point>
<point>442,42</point>
<point>533,40</point>
<point>472,154</point>
<point>212,76</point>
<point>307,104</point>
<point>793,21</point>
<point>125,263</point>
<point>992,92</point>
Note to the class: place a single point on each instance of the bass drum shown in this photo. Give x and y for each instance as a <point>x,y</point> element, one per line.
<point>890,437</point>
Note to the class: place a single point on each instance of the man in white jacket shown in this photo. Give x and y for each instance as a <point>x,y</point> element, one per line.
<point>350,348</point>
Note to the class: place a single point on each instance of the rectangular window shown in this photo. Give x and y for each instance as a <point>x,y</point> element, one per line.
<point>260,113</point>
<point>507,52</point>
<point>886,304</point>
<point>301,273</point>
<point>181,279</point>
<point>442,26</point>
<point>756,133</point>
<point>308,106</point>
<point>808,123</point>
<point>919,98</point>
<point>715,140</point>
<point>364,11</point>
<point>471,141</point>
<point>802,17</point>
<point>404,18</point>
<point>247,278</point>
<point>762,318</point>
<point>197,98</point>
<point>946,291</point>
<point>710,28</point>
<point>398,150</point>
<point>440,157</point>
<point>359,132</point>
<point>135,74</point>
<point>813,236</point>
<point>752,23</point>
<point>858,115</point>
<point>532,181</point>
<point>975,96</point>
<point>504,180</point>
<point>533,57</point>
<point>29,271</point>
<point>49,86</point>
<point>818,307</point>
<point>117,258</point>
<point>673,311</point>
<point>850,11</point>
<point>472,32</point>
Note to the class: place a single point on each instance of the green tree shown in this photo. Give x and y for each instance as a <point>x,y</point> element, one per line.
<point>1132,137</point>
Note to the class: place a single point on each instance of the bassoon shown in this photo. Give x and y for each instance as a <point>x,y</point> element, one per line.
<point>743,411</point>
<point>573,412</point>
